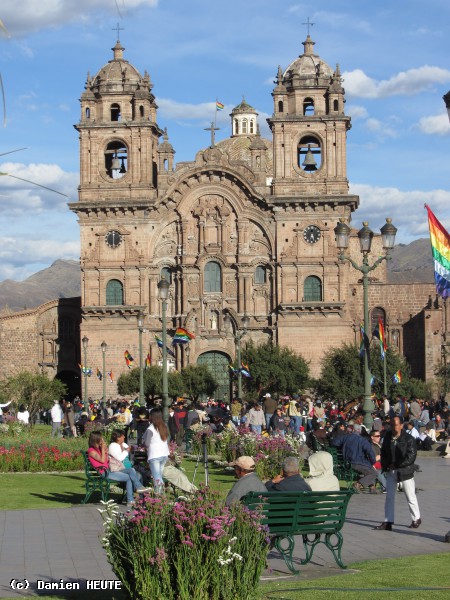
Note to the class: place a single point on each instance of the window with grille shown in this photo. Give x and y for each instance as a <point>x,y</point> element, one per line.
<point>312,289</point>
<point>114,292</point>
<point>213,277</point>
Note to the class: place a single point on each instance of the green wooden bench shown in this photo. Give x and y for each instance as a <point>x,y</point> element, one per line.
<point>317,516</point>
<point>96,481</point>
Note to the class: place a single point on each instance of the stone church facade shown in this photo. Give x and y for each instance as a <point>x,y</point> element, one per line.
<point>246,228</point>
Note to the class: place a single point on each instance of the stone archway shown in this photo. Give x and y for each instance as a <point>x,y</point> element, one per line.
<point>217,363</point>
<point>73,382</point>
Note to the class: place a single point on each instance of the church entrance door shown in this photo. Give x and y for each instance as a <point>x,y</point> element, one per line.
<point>217,363</point>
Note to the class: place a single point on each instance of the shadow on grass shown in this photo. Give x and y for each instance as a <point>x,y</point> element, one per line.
<point>73,497</point>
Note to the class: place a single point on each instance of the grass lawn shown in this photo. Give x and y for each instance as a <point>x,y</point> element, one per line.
<point>375,579</point>
<point>409,578</point>
<point>22,491</point>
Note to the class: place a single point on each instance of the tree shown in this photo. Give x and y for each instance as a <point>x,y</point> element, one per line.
<point>34,390</point>
<point>274,369</point>
<point>198,380</point>
<point>128,383</point>
<point>341,374</point>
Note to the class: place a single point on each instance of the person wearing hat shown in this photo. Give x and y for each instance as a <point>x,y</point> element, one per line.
<point>247,480</point>
<point>269,407</point>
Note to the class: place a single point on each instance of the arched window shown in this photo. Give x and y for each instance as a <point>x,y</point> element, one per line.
<point>252,126</point>
<point>244,125</point>
<point>280,106</point>
<point>114,292</point>
<point>308,107</point>
<point>115,112</point>
<point>167,274</point>
<point>377,313</point>
<point>236,126</point>
<point>335,105</point>
<point>116,159</point>
<point>312,290</point>
<point>213,277</point>
<point>260,274</point>
<point>88,113</point>
<point>141,112</point>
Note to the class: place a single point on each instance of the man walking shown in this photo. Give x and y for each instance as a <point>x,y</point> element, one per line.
<point>269,407</point>
<point>57,417</point>
<point>398,454</point>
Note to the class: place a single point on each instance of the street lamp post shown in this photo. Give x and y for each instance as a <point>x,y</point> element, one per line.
<point>238,335</point>
<point>365,235</point>
<point>163,287</point>
<point>103,346</point>
<point>140,321</point>
<point>187,351</point>
<point>85,342</point>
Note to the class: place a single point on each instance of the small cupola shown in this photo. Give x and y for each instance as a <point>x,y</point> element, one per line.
<point>243,119</point>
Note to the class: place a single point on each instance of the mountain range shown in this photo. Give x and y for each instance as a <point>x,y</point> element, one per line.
<point>411,263</point>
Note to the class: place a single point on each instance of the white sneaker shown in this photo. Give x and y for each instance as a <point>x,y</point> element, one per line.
<point>144,490</point>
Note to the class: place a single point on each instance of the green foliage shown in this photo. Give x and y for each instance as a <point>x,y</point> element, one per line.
<point>274,369</point>
<point>342,375</point>
<point>128,383</point>
<point>191,550</point>
<point>198,380</point>
<point>35,390</point>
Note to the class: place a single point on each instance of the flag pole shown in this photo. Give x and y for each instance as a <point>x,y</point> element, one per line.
<point>215,115</point>
<point>384,371</point>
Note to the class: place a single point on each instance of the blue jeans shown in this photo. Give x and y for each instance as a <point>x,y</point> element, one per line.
<point>157,467</point>
<point>130,478</point>
<point>296,422</point>
<point>268,417</point>
<point>256,429</point>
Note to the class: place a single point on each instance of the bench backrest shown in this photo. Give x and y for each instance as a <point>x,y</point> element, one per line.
<point>91,472</point>
<point>303,512</point>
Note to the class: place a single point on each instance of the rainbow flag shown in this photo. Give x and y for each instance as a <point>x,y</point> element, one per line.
<point>111,376</point>
<point>380,334</point>
<point>160,345</point>
<point>232,369</point>
<point>99,374</point>
<point>85,370</point>
<point>397,377</point>
<point>128,359</point>
<point>245,371</point>
<point>182,336</point>
<point>440,248</point>
<point>147,360</point>
<point>219,105</point>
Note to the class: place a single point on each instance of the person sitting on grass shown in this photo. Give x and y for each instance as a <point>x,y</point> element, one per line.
<point>98,457</point>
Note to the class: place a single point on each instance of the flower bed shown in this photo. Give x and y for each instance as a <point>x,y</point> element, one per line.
<point>190,550</point>
<point>268,452</point>
<point>33,457</point>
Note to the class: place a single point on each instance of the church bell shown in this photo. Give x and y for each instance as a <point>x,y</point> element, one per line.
<point>309,163</point>
<point>115,165</point>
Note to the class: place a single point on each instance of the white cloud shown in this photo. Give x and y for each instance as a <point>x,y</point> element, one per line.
<point>380,128</point>
<point>406,208</point>
<point>435,125</point>
<point>356,112</point>
<point>31,15</point>
<point>171,109</point>
<point>411,82</point>
<point>17,196</point>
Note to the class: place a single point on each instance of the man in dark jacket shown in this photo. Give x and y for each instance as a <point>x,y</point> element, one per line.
<point>357,450</point>
<point>290,480</point>
<point>398,454</point>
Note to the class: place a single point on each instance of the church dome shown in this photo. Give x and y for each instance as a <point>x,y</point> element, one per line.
<point>308,68</point>
<point>238,149</point>
<point>116,74</point>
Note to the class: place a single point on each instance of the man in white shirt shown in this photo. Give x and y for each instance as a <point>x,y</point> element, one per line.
<point>412,430</point>
<point>57,417</point>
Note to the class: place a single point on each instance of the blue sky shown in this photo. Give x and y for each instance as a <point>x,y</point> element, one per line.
<point>394,57</point>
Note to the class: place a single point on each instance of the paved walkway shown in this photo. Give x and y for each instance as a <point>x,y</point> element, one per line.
<point>64,543</point>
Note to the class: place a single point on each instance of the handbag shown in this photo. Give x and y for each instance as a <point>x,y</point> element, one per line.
<point>115,465</point>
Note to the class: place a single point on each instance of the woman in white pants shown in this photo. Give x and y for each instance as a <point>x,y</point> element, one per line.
<point>398,454</point>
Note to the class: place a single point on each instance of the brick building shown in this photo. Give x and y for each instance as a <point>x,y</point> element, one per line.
<point>246,228</point>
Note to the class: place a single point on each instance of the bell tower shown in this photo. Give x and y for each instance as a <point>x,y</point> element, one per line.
<point>118,134</point>
<point>309,128</point>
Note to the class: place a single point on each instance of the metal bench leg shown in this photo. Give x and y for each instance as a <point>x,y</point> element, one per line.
<point>335,548</point>
<point>309,546</point>
<point>286,553</point>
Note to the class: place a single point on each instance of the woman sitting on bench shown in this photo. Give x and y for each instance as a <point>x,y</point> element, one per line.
<point>98,457</point>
